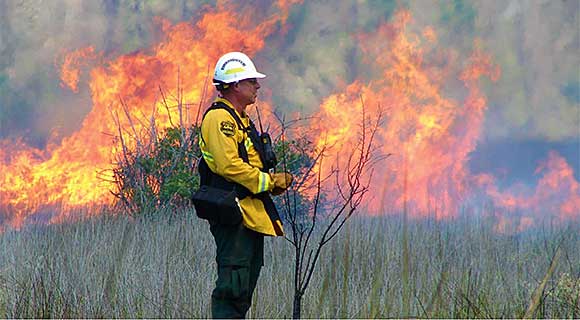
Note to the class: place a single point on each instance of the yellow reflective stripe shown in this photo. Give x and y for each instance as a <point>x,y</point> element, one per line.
<point>248,143</point>
<point>235,70</point>
<point>263,182</point>
<point>207,156</point>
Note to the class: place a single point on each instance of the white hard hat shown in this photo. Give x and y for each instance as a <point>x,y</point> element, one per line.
<point>235,66</point>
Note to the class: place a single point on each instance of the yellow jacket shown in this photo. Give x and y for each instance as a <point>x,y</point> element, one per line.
<point>219,147</point>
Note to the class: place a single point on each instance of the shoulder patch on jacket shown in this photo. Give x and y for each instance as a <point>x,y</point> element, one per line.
<point>227,128</point>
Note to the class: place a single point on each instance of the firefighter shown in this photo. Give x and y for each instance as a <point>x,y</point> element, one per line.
<point>233,157</point>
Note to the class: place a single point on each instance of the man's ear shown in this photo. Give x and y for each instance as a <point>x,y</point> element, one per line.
<point>235,86</point>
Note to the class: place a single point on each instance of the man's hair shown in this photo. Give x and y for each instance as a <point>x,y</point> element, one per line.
<point>221,86</point>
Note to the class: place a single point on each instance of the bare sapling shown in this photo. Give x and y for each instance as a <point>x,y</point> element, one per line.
<point>323,198</point>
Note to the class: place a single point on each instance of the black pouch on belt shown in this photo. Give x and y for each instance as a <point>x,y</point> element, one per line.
<point>217,205</point>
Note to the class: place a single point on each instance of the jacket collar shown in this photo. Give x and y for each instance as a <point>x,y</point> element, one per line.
<point>230,105</point>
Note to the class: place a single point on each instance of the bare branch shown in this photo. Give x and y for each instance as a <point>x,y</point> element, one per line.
<point>350,178</point>
<point>166,106</point>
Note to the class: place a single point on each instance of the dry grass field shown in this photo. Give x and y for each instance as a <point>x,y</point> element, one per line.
<point>162,265</point>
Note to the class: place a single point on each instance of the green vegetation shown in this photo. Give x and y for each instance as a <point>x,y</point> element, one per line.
<point>160,171</point>
<point>162,265</point>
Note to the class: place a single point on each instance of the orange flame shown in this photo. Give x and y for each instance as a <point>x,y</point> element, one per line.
<point>69,175</point>
<point>73,61</point>
<point>429,131</point>
<point>557,192</point>
<point>429,134</point>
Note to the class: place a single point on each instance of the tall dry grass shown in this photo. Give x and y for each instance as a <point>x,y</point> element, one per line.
<point>162,265</point>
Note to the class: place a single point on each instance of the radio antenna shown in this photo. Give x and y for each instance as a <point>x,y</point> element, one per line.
<point>259,119</point>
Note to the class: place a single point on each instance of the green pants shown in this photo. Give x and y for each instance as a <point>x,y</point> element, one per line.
<point>239,257</point>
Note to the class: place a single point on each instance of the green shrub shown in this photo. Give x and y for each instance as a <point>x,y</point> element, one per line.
<point>160,173</point>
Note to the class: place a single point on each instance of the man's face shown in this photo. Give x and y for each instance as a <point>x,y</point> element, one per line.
<point>248,90</point>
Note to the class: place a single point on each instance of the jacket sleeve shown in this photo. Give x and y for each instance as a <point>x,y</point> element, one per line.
<point>220,150</point>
